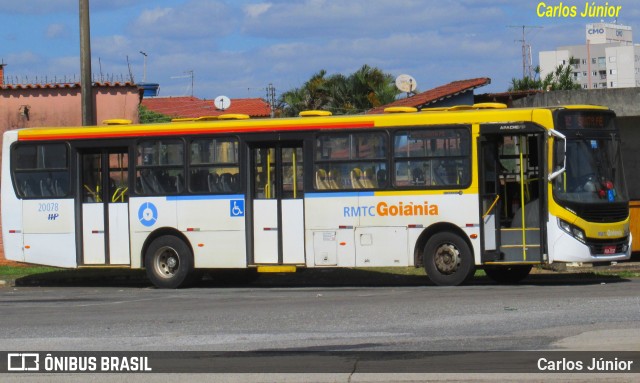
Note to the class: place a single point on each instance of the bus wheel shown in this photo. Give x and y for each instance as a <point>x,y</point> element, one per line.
<point>508,274</point>
<point>169,262</point>
<point>447,259</point>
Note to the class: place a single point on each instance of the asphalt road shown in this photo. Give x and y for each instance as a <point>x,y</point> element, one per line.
<point>543,314</point>
<point>401,317</point>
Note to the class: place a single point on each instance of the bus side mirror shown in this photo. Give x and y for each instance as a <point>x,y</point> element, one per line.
<point>562,137</point>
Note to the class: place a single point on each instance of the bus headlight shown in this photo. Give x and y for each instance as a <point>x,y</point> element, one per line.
<point>572,230</point>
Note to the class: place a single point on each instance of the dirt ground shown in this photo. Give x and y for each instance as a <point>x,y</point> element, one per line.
<point>4,262</point>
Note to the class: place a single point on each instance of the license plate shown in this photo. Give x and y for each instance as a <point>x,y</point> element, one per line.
<point>609,249</point>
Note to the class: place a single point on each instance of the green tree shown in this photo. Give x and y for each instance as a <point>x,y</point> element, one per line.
<point>147,116</point>
<point>560,79</point>
<point>364,89</point>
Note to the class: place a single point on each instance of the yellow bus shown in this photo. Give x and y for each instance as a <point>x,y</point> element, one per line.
<point>447,189</point>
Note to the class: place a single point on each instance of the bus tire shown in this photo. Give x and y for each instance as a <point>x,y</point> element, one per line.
<point>447,259</point>
<point>169,262</point>
<point>508,274</point>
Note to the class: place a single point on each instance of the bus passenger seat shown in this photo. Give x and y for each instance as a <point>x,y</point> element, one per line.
<point>417,176</point>
<point>356,175</point>
<point>213,180</point>
<point>26,188</point>
<point>226,182</point>
<point>179,182</point>
<point>149,182</point>
<point>367,179</point>
<point>46,187</point>
<point>235,182</point>
<point>321,180</point>
<point>333,177</point>
<point>381,177</point>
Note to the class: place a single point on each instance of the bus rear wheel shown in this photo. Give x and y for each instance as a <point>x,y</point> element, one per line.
<point>508,274</point>
<point>447,259</point>
<point>169,262</point>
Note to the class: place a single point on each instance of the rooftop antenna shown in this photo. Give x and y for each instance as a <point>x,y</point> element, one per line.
<point>130,73</point>
<point>526,50</point>
<point>189,74</point>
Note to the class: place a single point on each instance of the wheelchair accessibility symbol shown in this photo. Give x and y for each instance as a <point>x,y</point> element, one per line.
<point>148,214</point>
<point>236,208</point>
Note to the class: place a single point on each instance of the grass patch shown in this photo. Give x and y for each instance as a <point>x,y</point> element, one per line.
<point>620,273</point>
<point>21,271</point>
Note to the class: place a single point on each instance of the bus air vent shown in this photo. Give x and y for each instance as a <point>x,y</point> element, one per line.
<point>490,105</point>
<point>400,109</point>
<point>233,116</point>
<point>315,113</point>
<point>117,121</point>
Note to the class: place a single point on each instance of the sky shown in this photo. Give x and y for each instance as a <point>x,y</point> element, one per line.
<point>237,48</point>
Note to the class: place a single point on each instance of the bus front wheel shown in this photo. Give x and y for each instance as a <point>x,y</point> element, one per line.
<point>447,259</point>
<point>168,262</point>
<point>508,274</point>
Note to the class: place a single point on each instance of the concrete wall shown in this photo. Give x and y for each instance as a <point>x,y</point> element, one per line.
<point>625,102</point>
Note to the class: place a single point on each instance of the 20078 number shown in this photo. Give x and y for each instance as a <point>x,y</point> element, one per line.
<point>46,207</point>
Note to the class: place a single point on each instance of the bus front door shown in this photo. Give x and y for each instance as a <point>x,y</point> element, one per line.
<point>277,204</point>
<point>512,197</point>
<point>105,207</point>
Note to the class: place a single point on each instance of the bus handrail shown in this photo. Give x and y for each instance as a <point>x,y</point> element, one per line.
<point>119,194</point>
<point>491,207</point>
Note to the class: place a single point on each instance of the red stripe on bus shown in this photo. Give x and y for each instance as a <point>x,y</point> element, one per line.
<point>241,129</point>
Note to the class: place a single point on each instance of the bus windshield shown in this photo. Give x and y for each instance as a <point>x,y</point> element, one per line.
<point>593,185</point>
<point>594,173</point>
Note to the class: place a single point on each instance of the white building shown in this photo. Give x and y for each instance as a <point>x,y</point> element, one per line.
<point>608,59</point>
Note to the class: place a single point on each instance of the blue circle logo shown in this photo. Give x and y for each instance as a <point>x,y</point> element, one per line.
<point>148,214</point>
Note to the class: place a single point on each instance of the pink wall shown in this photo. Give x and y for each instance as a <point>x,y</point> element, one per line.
<point>60,106</point>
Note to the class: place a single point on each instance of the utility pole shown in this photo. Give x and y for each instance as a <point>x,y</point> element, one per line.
<point>144,70</point>
<point>271,99</point>
<point>86,90</point>
<point>526,51</point>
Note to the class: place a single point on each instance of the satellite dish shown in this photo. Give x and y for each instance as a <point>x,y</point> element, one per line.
<point>406,83</point>
<point>222,102</point>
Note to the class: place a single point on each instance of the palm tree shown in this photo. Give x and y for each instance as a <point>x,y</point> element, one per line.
<point>312,95</point>
<point>560,79</point>
<point>362,90</point>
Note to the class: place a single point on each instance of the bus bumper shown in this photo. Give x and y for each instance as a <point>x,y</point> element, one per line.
<point>569,249</point>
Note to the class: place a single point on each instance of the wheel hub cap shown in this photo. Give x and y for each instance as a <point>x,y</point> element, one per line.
<point>447,259</point>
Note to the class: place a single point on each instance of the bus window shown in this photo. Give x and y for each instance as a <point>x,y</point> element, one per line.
<point>432,158</point>
<point>351,161</point>
<point>41,171</point>
<point>160,167</point>
<point>213,166</point>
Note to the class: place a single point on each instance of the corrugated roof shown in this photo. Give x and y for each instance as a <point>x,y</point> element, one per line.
<point>194,107</point>
<point>436,94</point>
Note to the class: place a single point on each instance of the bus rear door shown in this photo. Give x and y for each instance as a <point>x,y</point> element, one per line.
<point>277,204</point>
